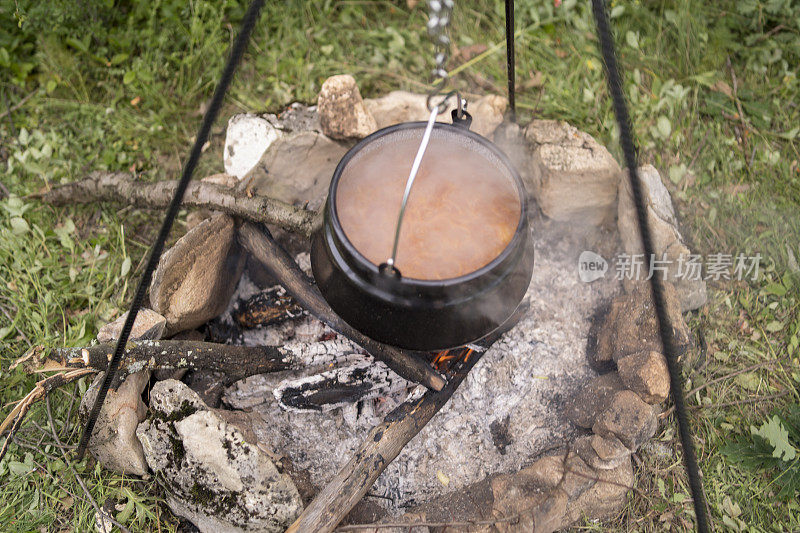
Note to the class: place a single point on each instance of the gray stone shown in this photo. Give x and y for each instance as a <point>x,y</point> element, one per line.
<point>583,408</point>
<point>341,110</point>
<point>646,374</point>
<point>195,278</point>
<point>530,495</point>
<point>212,475</point>
<point>113,442</point>
<point>667,240</point>
<point>601,453</point>
<point>246,139</point>
<point>603,499</point>
<point>401,106</point>
<point>630,324</point>
<point>297,168</point>
<point>629,419</point>
<point>148,325</point>
<point>573,178</point>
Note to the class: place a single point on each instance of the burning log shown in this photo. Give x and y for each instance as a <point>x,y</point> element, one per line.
<point>339,387</point>
<point>258,241</point>
<point>267,308</point>
<point>385,441</point>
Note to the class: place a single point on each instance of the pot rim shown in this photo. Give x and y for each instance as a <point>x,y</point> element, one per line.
<point>519,233</point>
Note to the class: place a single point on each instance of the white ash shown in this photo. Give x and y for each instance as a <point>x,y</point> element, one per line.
<point>524,378</point>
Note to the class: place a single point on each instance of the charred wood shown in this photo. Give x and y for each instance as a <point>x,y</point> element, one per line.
<point>339,387</point>
<point>267,308</point>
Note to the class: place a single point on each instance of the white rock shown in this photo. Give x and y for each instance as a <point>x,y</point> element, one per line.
<point>212,475</point>
<point>667,239</point>
<point>247,138</point>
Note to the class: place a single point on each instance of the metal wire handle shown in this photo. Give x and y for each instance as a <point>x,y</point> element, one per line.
<point>388,267</point>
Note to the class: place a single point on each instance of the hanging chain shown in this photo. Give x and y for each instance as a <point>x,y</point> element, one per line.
<point>440,13</point>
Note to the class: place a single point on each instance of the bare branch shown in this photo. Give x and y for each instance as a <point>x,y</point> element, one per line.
<point>121,187</point>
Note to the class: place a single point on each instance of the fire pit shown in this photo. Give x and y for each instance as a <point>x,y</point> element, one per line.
<point>288,400</point>
<point>509,408</point>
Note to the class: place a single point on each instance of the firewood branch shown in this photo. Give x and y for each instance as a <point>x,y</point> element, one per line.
<point>382,444</point>
<point>121,187</point>
<point>14,419</point>
<point>234,362</point>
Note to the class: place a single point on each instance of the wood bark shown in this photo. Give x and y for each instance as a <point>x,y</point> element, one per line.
<point>267,308</point>
<point>234,362</point>
<point>258,241</point>
<point>121,187</point>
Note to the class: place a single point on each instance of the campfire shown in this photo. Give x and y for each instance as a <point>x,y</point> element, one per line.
<point>256,407</point>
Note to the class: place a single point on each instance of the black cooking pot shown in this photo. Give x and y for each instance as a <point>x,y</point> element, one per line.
<point>420,314</point>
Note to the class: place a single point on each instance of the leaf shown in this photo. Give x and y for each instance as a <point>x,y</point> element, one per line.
<point>19,226</point>
<point>775,288</point>
<point>774,326</point>
<point>126,266</point>
<point>664,126</point>
<point>632,38</point>
<point>722,87</point>
<point>677,173</point>
<point>616,12</point>
<point>778,437</point>
<point>749,381</point>
<point>118,58</point>
<point>19,469</point>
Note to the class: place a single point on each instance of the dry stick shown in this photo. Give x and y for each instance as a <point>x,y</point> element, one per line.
<point>258,241</point>
<point>121,187</point>
<point>235,362</point>
<point>17,105</point>
<point>382,444</point>
<point>42,389</point>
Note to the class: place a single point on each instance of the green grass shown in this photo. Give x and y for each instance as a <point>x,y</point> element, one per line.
<point>121,88</point>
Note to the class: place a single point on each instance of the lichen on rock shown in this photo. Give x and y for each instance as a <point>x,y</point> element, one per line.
<point>212,475</point>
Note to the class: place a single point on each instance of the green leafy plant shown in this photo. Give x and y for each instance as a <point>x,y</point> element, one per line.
<point>774,447</point>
